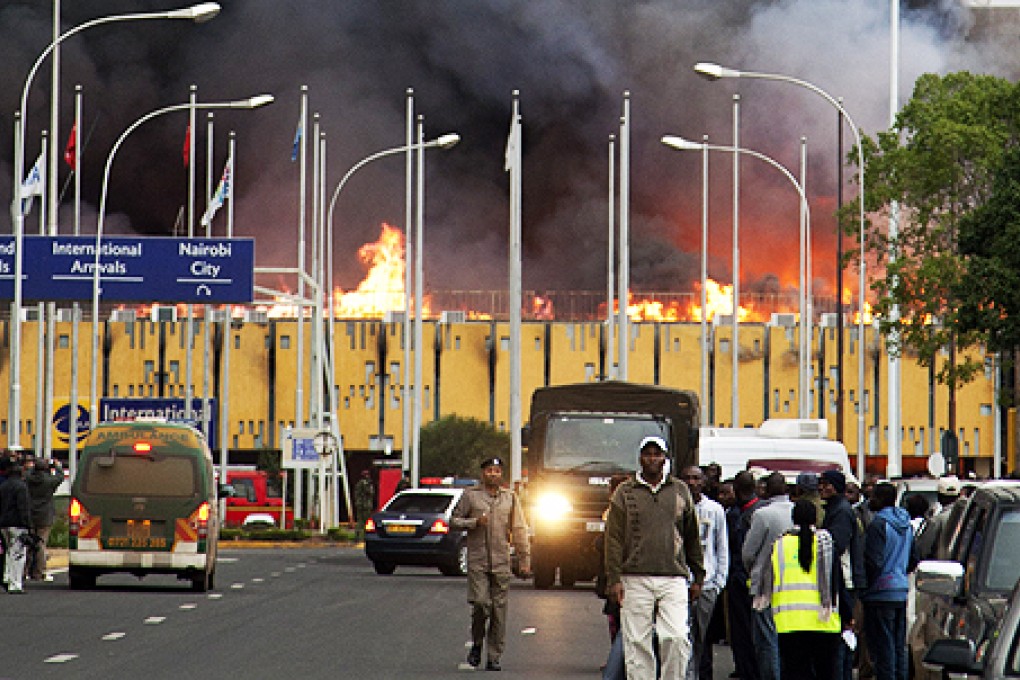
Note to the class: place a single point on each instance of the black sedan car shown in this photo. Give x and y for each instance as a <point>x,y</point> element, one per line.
<point>414,529</point>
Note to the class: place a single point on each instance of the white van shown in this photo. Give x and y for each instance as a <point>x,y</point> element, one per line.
<point>789,446</point>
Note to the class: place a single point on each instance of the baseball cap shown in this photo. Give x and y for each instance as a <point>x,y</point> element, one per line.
<point>948,486</point>
<point>658,441</point>
<point>489,462</point>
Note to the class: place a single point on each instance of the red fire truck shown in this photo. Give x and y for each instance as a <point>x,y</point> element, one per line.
<point>257,498</point>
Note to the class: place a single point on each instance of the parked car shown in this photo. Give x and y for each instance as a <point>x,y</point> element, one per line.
<point>413,528</point>
<point>998,661</point>
<point>964,596</point>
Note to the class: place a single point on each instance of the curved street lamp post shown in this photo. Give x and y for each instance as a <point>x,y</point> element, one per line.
<point>715,72</point>
<point>682,144</point>
<point>250,103</point>
<point>198,13</point>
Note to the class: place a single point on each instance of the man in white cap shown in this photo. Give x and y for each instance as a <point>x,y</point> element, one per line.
<point>654,564</point>
<point>931,537</point>
<point>493,518</point>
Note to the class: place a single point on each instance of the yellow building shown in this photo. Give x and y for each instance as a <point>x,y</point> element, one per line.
<point>465,369</point>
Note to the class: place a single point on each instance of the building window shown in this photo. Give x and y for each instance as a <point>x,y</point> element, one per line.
<point>284,342</point>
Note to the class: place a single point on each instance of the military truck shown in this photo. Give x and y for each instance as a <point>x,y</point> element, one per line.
<point>578,436</point>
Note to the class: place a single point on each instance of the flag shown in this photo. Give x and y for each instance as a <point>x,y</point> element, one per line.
<point>513,144</point>
<point>297,142</point>
<point>33,185</point>
<point>71,149</point>
<point>187,145</point>
<point>219,196</point>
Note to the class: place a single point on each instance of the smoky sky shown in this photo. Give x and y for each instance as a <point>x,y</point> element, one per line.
<point>571,60</point>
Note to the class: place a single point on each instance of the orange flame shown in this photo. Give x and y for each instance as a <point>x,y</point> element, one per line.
<point>719,301</point>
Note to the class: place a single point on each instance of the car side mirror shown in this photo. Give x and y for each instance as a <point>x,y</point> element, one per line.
<point>939,577</point>
<point>953,656</point>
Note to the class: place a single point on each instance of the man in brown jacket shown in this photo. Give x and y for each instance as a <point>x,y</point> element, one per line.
<point>654,564</point>
<point>493,518</point>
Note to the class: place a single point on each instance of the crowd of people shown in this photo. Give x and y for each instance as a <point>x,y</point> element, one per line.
<point>808,580</point>
<point>27,514</point>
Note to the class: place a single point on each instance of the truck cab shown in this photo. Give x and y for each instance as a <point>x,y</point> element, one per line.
<point>253,497</point>
<point>579,437</point>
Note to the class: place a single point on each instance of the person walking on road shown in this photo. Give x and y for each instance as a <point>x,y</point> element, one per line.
<point>654,564</point>
<point>716,557</point>
<point>15,521</point>
<point>493,518</point>
<point>768,524</point>
<point>42,477</point>
<point>799,575</point>
<point>364,501</point>
<point>890,553</point>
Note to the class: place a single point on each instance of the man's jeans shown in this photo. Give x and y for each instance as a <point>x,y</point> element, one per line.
<point>766,644</point>
<point>885,627</point>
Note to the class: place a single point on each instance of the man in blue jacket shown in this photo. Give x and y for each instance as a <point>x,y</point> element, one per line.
<point>889,554</point>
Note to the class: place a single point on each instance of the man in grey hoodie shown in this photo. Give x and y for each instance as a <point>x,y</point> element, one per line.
<point>767,524</point>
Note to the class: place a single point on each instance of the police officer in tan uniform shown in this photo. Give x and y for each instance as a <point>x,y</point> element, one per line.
<point>493,518</point>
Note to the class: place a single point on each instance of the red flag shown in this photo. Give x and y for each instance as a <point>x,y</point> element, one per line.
<point>71,149</point>
<point>187,145</point>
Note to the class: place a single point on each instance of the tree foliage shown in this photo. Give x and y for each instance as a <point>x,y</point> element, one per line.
<point>457,446</point>
<point>940,165</point>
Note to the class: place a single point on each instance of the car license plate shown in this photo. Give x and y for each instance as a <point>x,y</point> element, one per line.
<point>400,528</point>
<point>595,526</point>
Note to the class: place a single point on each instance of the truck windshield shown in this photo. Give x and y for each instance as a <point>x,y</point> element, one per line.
<point>577,441</point>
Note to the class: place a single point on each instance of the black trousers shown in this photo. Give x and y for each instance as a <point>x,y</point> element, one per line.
<point>741,630</point>
<point>808,655</point>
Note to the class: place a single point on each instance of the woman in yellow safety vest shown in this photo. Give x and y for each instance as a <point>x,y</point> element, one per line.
<point>803,598</point>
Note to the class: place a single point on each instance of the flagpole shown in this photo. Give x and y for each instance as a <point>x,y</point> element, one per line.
<point>405,440</point>
<point>313,340</point>
<point>72,407</point>
<point>225,343</point>
<point>299,405</point>
<point>419,293</point>
<point>610,371</point>
<point>624,294</point>
<point>41,325</point>
<point>207,309</point>
<point>190,335</point>
<point>516,134</point>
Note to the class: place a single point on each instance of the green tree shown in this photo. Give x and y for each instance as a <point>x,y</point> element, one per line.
<point>457,446</point>
<point>938,164</point>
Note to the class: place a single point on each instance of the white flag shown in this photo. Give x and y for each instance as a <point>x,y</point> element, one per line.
<point>513,144</point>
<point>222,191</point>
<point>34,185</point>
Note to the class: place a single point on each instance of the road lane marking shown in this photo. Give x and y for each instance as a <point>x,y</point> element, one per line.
<point>275,574</point>
<point>154,620</point>
<point>227,559</point>
<point>529,631</point>
<point>114,636</point>
<point>189,605</point>
<point>290,570</point>
<point>236,586</point>
<point>215,596</point>
<point>258,580</point>
<point>60,658</point>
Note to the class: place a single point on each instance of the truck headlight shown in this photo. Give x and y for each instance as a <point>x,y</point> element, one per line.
<point>552,506</point>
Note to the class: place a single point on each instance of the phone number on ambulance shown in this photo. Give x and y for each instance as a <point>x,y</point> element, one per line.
<point>127,542</point>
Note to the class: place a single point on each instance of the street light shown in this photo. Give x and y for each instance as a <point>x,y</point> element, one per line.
<point>199,13</point>
<point>250,103</point>
<point>446,141</point>
<point>714,72</point>
<point>682,144</point>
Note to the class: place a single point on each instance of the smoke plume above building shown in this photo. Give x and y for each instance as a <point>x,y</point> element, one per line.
<point>571,60</point>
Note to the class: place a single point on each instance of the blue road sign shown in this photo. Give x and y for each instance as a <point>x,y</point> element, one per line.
<point>132,269</point>
<point>170,408</point>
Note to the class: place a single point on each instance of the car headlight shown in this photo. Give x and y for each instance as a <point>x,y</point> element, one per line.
<point>552,507</point>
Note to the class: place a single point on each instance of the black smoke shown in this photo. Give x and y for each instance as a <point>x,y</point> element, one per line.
<point>572,60</point>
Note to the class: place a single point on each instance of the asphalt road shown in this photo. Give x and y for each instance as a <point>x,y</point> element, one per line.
<point>290,613</point>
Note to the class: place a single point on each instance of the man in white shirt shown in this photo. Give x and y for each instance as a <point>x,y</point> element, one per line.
<point>715,548</point>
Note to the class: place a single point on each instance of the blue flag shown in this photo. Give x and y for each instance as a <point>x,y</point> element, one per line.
<point>297,141</point>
